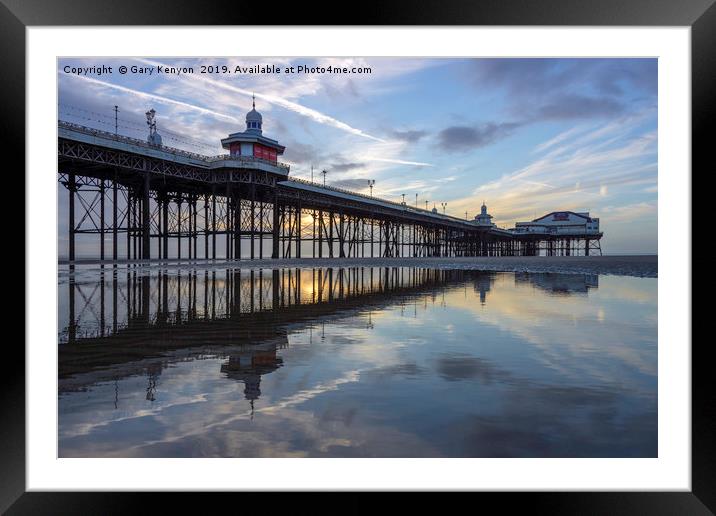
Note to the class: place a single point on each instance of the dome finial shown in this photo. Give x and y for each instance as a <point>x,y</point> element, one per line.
<point>253,100</point>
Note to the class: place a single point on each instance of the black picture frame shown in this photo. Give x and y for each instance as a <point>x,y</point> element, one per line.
<point>700,15</point>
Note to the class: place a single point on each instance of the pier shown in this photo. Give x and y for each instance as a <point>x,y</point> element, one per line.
<point>145,200</point>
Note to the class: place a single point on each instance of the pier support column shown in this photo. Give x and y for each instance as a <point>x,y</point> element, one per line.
<point>253,218</point>
<point>206,226</point>
<point>71,187</point>
<point>298,229</point>
<point>213,223</point>
<point>101,220</point>
<point>179,227</point>
<point>114,218</point>
<point>320,233</point>
<point>276,229</point>
<point>237,226</point>
<point>146,226</point>
<point>341,236</point>
<point>165,227</point>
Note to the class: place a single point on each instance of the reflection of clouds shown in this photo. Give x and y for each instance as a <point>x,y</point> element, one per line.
<point>567,329</point>
<point>463,367</point>
<point>525,374</point>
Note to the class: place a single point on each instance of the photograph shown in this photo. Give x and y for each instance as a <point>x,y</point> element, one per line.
<point>376,257</point>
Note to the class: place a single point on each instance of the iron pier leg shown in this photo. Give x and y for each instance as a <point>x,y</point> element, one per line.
<point>101,220</point>
<point>213,223</point>
<point>71,189</point>
<point>341,235</point>
<point>298,229</point>
<point>114,220</point>
<point>165,227</point>
<point>320,233</point>
<point>206,226</point>
<point>237,226</point>
<point>146,227</point>
<point>274,234</point>
<point>179,203</point>
<point>253,218</point>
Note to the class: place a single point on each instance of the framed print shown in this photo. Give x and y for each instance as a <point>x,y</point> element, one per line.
<point>445,249</point>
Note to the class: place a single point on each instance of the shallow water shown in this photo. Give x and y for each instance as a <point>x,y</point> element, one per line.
<point>357,362</point>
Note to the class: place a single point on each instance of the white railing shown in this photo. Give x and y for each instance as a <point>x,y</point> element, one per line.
<point>171,150</point>
<point>397,205</point>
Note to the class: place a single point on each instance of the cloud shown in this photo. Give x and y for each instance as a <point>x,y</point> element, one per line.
<point>462,138</point>
<point>157,98</point>
<point>567,107</point>
<point>566,89</point>
<point>534,77</point>
<point>408,136</point>
<point>301,153</point>
<point>400,161</point>
<point>350,184</point>
<point>313,114</point>
<point>344,167</point>
<point>595,168</point>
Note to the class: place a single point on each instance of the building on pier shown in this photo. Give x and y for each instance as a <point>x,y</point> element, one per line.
<point>252,142</point>
<point>562,233</point>
<point>561,223</point>
<point>484,219</point>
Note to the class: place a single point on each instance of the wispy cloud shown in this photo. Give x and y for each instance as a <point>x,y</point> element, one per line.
<point>158,98</point>
<point>313,114</point>
<point>583,169</point>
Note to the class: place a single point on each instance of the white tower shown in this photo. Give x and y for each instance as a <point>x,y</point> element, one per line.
<point>484,218</point>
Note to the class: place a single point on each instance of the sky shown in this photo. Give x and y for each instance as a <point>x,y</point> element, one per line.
<point>525,136</point>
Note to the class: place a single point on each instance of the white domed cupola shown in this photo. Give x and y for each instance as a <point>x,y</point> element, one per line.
<point>251,143</point>
<point>484,218</point>
<point>253,119</point>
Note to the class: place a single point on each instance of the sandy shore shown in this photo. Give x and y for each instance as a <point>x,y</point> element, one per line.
<point>643,266</point>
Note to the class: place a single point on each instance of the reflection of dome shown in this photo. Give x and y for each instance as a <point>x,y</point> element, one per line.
<point>482,285</point>
<point>252,383</point>
<point>249,367</point>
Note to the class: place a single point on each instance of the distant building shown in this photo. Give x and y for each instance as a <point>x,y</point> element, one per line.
<point>560,223</point>
<point>251,143</point>
<point>484,219</point>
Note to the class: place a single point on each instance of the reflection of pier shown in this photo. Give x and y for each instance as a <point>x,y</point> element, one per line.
<point>559,283</point>
<point>127,316</point>
<point>129,323</point>
<point>124,301</point>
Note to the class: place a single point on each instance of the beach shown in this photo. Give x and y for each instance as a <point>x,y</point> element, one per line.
<point>644,266</point>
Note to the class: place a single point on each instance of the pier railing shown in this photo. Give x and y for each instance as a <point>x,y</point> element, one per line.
<point>398,205</point>
<point>171,150</point>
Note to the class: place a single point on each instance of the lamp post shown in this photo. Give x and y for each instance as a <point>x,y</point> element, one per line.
<point>426,204</point>
<point>403,198</point>
<point>444,205</point>
<point>371,182</point>
<point>416,200</point>
<point>324,172</point>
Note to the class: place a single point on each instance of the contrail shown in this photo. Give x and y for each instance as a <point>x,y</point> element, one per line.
<point>314,115</point>
<point>401,162</point>
<point>156,97</point>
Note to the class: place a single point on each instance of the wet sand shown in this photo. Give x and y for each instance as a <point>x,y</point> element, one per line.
<point>633,265</point>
